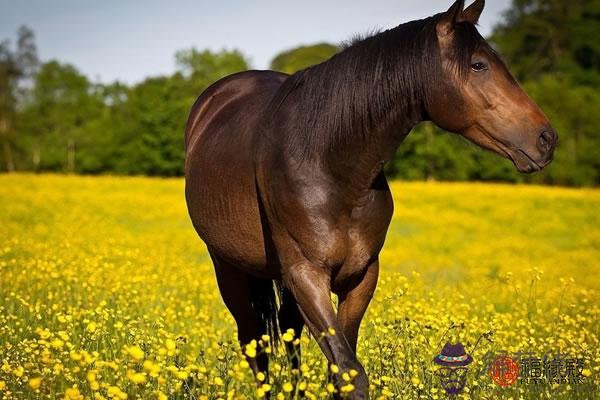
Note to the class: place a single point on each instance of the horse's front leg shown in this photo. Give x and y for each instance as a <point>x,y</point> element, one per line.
<point>353,303</point>
<point>310,286</point>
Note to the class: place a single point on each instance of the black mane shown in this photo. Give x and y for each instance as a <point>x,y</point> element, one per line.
<point>358,88</point>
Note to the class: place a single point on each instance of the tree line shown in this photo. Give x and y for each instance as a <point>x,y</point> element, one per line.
<point>54,118</point>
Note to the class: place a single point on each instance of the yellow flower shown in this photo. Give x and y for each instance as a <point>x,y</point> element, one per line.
<point>136,377</point>
<point>170,344</point>
<point>287,337</point>
<point>183,375</point>
<point>334,368</point>
<point>43,333</point>
<point>91,327</point>
<point>251,349</point>
<point>161,396</point>
<point>330,388</point>
<point>35,383</point>
<point>152,368</point>
<point>135,352</point>
<point>73,394</point>
<point>287,387</point>
<point>218,381</point>
<point>347,388</point>
<point>18,372</point>
<point>266,387</point>
<point>116,393</point>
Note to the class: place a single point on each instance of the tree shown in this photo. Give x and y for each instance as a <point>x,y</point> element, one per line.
<point>573,110</point>
<point>552,36</point>
<point>55,119</point>
<point>302,57</point>
<point>149,137</point>
<point>203,68</point>
<point>16,67</point>
<point>149,125</point>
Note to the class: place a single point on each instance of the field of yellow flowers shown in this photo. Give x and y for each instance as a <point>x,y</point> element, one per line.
<point>106,292</point>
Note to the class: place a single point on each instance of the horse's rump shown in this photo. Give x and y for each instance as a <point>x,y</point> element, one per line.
<point>220,182</point>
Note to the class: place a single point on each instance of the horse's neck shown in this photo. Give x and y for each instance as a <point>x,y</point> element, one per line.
<point>360,159</point>
<point>353,111</point>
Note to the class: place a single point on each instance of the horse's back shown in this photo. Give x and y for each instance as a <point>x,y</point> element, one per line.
<point>220,182</point>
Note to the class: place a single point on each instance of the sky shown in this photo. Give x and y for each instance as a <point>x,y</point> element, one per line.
<point>129,40</point>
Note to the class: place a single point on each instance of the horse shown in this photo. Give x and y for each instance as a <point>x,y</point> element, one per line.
<point>284,177</point>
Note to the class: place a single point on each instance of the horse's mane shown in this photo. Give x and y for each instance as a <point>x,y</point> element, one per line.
<point>371,77</point>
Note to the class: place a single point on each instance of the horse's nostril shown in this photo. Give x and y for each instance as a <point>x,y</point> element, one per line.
<point>547,140</point>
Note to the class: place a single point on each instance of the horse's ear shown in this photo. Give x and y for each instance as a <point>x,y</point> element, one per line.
<point>473,12</point>
<point>449,19</point>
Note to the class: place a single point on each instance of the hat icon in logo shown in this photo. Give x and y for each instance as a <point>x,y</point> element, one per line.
<point>453,360</point>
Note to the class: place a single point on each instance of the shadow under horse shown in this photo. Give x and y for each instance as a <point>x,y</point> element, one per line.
<point>284,173</point>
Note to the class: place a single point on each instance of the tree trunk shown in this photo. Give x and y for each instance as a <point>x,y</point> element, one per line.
<point>10,165</point>
<point>8,158</point>
<point>36,158</point>
<point>71,156</point>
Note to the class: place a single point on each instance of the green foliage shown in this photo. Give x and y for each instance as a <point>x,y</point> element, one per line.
<point>17,66</point>
<point>68,124</point>
<point>54,119</point>
<point>552,36</point>
<point>151,142</point>
<point>54,122</point>
<point>303,57</point>
<point>202,68</point>
<point>573,109</point>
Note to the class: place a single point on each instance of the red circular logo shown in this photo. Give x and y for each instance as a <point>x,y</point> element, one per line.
<point>504,371</point>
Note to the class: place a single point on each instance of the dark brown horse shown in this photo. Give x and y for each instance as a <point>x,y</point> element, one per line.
<point>284,178</point>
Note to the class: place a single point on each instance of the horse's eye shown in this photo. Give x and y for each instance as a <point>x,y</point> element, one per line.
<point>479,66</point>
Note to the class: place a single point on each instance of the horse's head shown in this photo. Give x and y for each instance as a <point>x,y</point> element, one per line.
<point>478,97</point>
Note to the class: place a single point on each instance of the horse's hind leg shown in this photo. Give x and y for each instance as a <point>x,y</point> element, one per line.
<point>236,291</point>
<point>290,318</point>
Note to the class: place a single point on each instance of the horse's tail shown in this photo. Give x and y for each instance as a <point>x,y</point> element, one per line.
<point>265,297</point>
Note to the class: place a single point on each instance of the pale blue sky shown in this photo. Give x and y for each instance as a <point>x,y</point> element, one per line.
<point>130,40</point>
